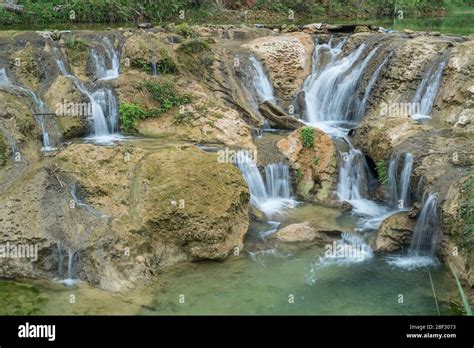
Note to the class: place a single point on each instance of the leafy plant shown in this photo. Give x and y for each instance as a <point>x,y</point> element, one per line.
<point>307,136</point>
<point>142,64</point>
<point>129,115</point>
<point>185,30</point>
<point>382,172</point>
<point>166,65</point>
<point>165,95</point>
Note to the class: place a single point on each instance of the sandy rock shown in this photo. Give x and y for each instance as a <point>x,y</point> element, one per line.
<point>394,233</point>
<point>287,58</point>
<point>317,165</point>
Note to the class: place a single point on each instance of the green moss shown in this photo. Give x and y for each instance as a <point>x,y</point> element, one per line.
<point>3,151</point>
<point>299,175</point>
<point>307,136</point>
<point>467,212</point>
<point>185,30</point>
<point>194,46</point>
<point>382,172</point>
<point>75,44</point>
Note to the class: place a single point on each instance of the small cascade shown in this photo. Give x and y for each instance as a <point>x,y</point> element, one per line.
<point>272,194</point>
<point>83,205</point>
<point>108,103</point>
<point>330,91</point>
<point>422,251</point>
<point>154,70</point>
<point>427,90</point>
<point>348,250</point>
<point>101,131</point>
<point>368,90</point>
<point>399,184</point>
<point>425,234</point>
<point>107,64</point>
<point>47,128</point>
<point>261,83</point>
<point>66,278</point>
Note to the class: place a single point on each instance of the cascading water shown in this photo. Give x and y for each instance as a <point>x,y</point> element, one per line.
<point>422,251</point>
<point>348,250</point>
<point>368,89</point>
<point>399,184</point>
<point>101,131</point>
<point>41,109</point>
<point>261,84</point>
<point>425,234</point>
<point>330,91</point>
<point>106,65</point>
<point>428,88</point>
<point>272,194</point>
<point>331,104</point>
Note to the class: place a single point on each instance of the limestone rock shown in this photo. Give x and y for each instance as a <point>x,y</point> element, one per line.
<point>316,167</point>
<point>394,233</point>
<point>287,58</point>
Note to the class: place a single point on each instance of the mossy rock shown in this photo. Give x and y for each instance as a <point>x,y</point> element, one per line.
<point>3,151</point>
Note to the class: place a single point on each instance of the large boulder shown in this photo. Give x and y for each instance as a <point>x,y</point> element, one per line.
<point>394,233</point>
<point>287,58</point>
<point>59,95</point>
<point>315,166</point>
<point>128,212</point>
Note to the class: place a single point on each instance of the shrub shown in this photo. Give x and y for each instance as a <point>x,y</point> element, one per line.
<point>129,114</point>
<point>307,136</point>
<point>166,65</point>
<point>165,95</point>
<point>194,46</point>
<point>185,30</point>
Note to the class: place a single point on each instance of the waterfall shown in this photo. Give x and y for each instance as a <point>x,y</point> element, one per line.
<point>331,89</point>
<point>354,175</point>
<point>154,70</point>
<point>368,89</point>
<point>399,185</point>
<point>422,251</point>
<point>106,65</point>
<point>425,234</point>
<point>428,88</point>
<point>40,109</point>
<point>261,83</point>
<point>348,250</point>
<point>272,194</point>
<point>101,131</point>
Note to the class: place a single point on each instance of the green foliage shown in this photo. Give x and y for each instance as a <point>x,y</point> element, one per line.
<point>3,151</point>
<point>185,30</point>
<point>129,115</point>
<point>182,117</point>
<point>166,65</point>
<point>75,44</point>
<point>141,64</point>
<point>382,172</point>
<point>467,211</point>
<point>307,136</point>
<point>299,175</point>
<point>316,160</point>
<point>194,46</point>
<point>165,95</point>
